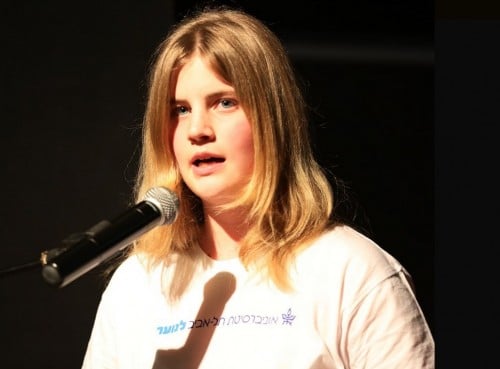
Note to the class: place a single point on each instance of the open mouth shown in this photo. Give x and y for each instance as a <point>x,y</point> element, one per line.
<point>207,161</point>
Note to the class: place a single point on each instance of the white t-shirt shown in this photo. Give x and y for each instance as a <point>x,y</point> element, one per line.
<point>352,307</point>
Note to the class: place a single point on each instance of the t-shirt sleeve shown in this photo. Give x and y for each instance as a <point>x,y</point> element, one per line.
<point>386,329</point>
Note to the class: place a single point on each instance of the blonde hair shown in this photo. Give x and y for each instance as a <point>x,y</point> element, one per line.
<point>289,199</point>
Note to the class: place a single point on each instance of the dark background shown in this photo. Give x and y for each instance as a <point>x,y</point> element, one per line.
<point>73,86</point>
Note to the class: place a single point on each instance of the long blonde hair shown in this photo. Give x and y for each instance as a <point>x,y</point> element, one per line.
<point>289,197</point>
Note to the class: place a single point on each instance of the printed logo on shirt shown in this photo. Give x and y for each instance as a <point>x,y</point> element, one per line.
<point>247,319</point>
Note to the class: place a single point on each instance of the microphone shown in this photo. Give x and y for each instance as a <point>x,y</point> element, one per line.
<point>106,238</point>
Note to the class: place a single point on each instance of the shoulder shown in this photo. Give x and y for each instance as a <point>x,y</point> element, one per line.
<point>131,268</point>
<point>132,275</point>
<point>346,256</point>
<point>344,244</point>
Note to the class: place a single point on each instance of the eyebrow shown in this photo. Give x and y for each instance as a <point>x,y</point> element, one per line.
<point>212,96</point>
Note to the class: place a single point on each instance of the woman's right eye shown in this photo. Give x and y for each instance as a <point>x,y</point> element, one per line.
<point>180,110</point>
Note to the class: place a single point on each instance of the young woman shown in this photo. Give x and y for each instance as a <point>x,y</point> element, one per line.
<point>254,272</point>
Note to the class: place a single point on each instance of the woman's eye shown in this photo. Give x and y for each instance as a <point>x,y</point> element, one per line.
<point>226,103</point>
<point>180,110</point>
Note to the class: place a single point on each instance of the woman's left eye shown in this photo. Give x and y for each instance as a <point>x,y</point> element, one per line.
<point>226,103</point>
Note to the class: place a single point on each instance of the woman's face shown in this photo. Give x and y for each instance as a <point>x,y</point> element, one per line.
<point>212,137</point>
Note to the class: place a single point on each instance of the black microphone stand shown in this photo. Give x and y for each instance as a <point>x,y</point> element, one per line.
<point>45,256</point>
<point>20,268</point>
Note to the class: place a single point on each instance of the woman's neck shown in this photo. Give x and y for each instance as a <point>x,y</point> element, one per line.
<point>222,233</point>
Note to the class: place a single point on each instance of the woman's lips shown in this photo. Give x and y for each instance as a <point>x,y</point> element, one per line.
<point>205,165</point>
<point>207,161</point>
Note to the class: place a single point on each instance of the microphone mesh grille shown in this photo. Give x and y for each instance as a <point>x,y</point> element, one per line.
<point>166,200</point>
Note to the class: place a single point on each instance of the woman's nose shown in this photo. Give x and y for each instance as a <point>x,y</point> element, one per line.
<point>200,127</point>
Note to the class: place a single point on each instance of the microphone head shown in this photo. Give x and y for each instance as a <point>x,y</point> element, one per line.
<point>166,201</point>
